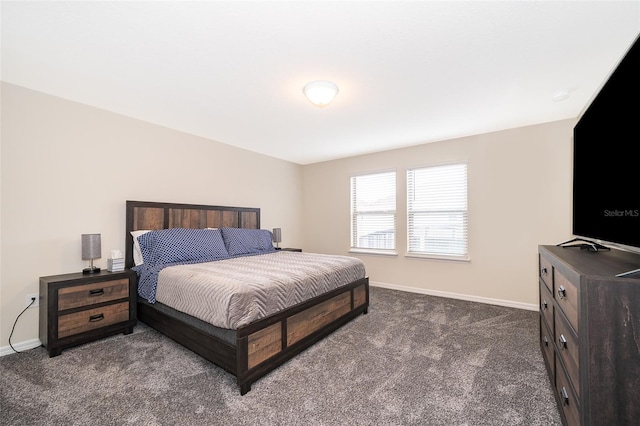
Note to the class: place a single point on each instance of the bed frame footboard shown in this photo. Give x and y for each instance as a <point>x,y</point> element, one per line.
<point>268,343</point>
<point>262,346</point>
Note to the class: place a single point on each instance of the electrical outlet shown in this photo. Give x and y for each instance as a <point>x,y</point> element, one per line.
<point>36,303</point>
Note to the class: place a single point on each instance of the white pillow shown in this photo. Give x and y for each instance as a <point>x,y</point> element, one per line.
<point>137,253</point>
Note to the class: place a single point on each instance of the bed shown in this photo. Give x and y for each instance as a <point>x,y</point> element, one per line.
<point>249,348</point>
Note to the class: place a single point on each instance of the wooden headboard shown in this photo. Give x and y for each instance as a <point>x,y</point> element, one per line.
<point>151,215</point>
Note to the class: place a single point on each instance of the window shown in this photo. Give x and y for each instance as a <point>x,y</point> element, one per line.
<point>437,211</point>
<point>373,211</point>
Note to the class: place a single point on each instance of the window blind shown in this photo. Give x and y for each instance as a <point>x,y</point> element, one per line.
<point>373,211</point>
<point>437,210</point>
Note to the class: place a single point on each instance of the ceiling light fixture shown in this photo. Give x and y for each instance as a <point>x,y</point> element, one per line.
<point>560,95</point>
<point>320,93</point>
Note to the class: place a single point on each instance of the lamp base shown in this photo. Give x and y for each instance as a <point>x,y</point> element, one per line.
<point>93,270</point>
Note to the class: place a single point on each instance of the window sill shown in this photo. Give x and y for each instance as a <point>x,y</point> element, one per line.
<point>436,257</point>
<point>374,252</point>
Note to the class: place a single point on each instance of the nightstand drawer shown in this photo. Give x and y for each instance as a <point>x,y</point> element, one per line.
<point>90,294</point>
<point>90,319</point>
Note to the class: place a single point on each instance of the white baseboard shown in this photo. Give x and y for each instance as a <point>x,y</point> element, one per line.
<point>34,343</point>
<point>20,347</point>
<point>487,300</point>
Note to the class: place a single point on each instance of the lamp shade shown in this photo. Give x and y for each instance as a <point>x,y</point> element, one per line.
<point>277,235</point>
<point>320,93</point>
<point>91,246</point>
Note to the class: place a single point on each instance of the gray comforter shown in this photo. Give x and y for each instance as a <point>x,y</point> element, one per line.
<point>234,292</point>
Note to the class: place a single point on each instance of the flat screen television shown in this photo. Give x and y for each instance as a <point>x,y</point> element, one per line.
<point>606,163</point>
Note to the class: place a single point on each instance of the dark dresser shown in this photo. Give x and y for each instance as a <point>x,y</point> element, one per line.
<point>590,334</point>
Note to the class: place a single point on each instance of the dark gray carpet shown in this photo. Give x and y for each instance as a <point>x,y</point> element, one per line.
<point>412,360</point>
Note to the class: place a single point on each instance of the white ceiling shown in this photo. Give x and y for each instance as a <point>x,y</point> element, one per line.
<point>233,71</point>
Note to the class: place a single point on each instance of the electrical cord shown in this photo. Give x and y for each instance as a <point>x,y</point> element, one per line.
<point>33,300</point>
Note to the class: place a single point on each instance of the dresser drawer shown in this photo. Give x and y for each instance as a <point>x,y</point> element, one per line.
<point>568,350</point>
<point>546,344</point>
<point>568,401</point>
<point>546,305</point>
<point>545,272</point>
<point>90,319</point>
<point>90,294</point>
<point>566,295</point>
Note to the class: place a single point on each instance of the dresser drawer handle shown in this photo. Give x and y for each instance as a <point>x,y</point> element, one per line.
<point>543,271</point>
<point>565,396</point>
<point>544,305</point>
<point>562,292</point>
<point>545,341</point>
<point>97,292</point>
<point>563,342</point>
<point>97,317</point>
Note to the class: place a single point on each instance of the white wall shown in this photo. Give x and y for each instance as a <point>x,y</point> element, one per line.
<point>67,169</point>
<point>519,196</point>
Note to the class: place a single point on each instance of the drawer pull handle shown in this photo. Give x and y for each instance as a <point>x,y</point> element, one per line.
<point>562,292</point>
<point>544,305</point>
<point>563,342</point>
<point>97,292</point>
<point>565,396</point>
<point>543,271</point>
<point>545,341</point>
<point>95,318</point>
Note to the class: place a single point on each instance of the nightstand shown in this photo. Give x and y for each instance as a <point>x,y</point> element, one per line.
<point>78,308</point>
<point>291,249</point>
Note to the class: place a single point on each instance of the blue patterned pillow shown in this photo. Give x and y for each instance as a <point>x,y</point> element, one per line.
<point>175,245</point>
<point>240,241</point>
